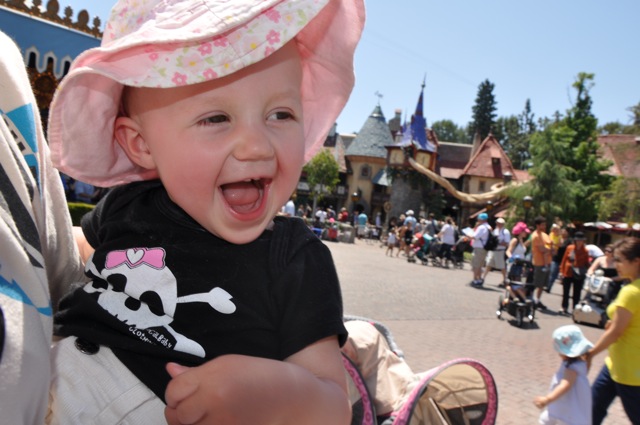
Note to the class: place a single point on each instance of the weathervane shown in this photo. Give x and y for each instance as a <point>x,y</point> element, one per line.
<point>379,95</point>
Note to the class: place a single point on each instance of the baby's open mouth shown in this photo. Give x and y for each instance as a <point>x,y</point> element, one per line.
<point>244,196</point>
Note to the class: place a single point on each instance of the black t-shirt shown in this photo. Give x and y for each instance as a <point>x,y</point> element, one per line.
<point>164,289</point>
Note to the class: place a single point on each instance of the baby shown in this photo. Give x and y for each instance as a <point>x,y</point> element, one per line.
<point>200,115</point>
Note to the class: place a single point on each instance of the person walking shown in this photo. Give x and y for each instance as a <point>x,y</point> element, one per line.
<point>558,249</point>
<point>362,224</point>
<point>569,398</point>
<point>517,250</point>
<point>496,257</point>
<point>410,225</point>
<point>448,237</point>
<point>480,236</point>
<point>540,259</point>
<point>392,240</point>
<point>620,375</point>
<point>573,267</point>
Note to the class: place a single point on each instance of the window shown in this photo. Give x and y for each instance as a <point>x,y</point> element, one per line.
<point>365,172</point>
<point>482,186</point>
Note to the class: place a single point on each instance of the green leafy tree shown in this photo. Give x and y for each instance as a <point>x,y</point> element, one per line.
<point>584,160</point>
<point>554,192</point>
<point>621,201</point>
<point>448,131</point>
<point>322,175</point>
<point>514,134</point>
<point>484,111</point>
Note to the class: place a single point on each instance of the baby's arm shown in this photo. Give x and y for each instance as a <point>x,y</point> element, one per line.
<point>563,386</point>
<point>86,250</point>
<point>307,388</point>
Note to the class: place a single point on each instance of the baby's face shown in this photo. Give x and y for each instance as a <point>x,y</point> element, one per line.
<point>229,151</point>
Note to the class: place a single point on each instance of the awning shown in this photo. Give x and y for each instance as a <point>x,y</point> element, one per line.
<point>599,225</point>
<point>381,178</point>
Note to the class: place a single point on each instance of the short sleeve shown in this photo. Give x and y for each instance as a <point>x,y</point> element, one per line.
<point>308,297</point>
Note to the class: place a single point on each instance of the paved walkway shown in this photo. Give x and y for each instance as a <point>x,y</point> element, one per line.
<point>435,316</point>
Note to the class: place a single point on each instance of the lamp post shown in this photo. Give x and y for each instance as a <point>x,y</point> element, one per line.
<point>527,203</point>
<point>456,209</point>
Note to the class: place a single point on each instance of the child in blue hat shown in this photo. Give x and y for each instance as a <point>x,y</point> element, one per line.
<point>569,398</point>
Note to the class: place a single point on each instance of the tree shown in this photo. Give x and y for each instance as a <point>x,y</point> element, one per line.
<point>514,134</point>
<point>584,160</point>
<point>322,175</point>
<point>635,115</point>
<point>484,111</point>
<point>553,191</point>
<point>621,201</point>
<point>449,131</point>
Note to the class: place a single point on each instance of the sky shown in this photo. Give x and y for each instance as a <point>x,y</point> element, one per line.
<point>528,50</point>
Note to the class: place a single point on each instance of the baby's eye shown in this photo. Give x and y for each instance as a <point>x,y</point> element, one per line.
<point>214,119</point>
<point>281,115</point>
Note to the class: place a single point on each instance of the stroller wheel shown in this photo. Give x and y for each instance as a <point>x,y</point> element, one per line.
<point>519,317</point>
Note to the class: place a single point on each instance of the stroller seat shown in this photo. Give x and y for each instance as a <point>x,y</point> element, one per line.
<point>385,391</point>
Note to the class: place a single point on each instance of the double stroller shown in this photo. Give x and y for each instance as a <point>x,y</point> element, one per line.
<point>384,390</point>
<point>516,300</point>
<point>601,290</point>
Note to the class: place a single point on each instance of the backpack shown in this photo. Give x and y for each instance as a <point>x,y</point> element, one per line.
<point>492,242</point>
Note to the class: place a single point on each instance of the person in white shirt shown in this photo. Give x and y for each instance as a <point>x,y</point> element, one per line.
<point>448,237</point>
<point>480,236</point>
<point>495,258</point>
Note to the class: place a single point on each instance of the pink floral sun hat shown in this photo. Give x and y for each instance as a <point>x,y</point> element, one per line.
<point>169,43</point>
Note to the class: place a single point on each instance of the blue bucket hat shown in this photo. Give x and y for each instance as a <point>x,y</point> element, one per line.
<point>570,341</point>
<point>483,216</point>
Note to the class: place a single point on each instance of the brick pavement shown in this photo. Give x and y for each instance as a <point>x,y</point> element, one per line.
<point>435,316</point>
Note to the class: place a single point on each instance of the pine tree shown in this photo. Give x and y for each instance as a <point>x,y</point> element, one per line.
<point>584,160</point>
<point>484,111</point>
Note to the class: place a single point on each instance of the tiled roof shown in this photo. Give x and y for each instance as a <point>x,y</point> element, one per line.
<point>490,161</point>
<point>372,138</point>
<point>624,151</point>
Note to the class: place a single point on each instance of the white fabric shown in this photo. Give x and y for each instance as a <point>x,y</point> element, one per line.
<point>38,256</point>
<point>574,407</point>
<point>120,397</point>
<point>480,235</point>
<point>448,234</point>
<point>503,238</point>
<point>519,251</point>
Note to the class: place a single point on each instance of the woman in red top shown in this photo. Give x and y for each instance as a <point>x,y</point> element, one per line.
<point>573,268</point>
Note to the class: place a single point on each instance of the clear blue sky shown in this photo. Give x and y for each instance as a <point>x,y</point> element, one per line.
<point>528,50</point>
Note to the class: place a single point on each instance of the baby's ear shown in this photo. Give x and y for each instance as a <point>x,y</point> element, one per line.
<point>127,133</point>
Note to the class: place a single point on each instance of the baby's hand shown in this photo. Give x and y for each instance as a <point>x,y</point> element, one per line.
<point>218,392</point>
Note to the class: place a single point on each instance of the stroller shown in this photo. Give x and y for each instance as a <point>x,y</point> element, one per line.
<point>421,249</point>
<point>435,253</point>
<point>601,291</point>
<point>516,299</point>
<point>462,245</point>
<point>460,391</point>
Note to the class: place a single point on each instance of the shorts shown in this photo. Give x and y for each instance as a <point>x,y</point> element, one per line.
<point>97,389</point>
<point>495,260</point>
<point>408,236</point>
<point>361,230</point>
<point>478,258</point>
<point>540,276</point>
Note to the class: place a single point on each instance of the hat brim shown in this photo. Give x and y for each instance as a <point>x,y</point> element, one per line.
<point>87,102</point>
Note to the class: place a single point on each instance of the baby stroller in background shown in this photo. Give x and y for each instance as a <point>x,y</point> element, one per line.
<point>461,391</point>
<point>421,249</point>
<point>435,253</point>
<point>601,291</point>
<point>462,245</point>
<point>520,278</point>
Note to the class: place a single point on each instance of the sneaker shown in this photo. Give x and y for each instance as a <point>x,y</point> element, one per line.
<point>541,306</point>
<point>564,312</point>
